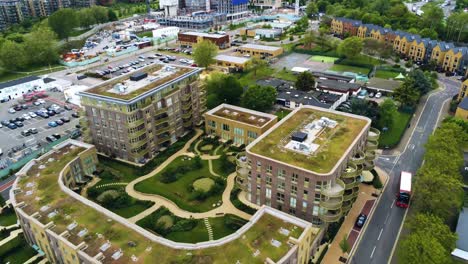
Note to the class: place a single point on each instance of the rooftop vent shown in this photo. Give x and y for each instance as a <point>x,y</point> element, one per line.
<point>261,120</point>
<point>252,118</point>
<point>235,113</point>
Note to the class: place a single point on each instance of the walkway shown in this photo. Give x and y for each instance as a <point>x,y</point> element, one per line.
<point>226,208</point>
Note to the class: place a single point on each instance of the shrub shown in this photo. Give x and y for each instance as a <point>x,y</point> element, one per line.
<point>197,162</point>
<point>184,225</point>
<point>233,222</point>
<point>376,181</point>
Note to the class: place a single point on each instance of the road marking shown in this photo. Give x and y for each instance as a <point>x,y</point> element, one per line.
<point>386,218</point>
<point>393,203</point>
<point>381,230</point>
<point>372,254</point>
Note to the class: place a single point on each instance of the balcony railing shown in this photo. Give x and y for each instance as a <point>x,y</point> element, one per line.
<point>346,206</point>
<point>331,203</point>
<point>136,123</point>
<point>334,190</point>
<point>186,97</point>
<point>350,183</point>
<point>369,165</point>
<point>186,115</point>
<point>164,139</point>
<point>187,123</point>
<point>331,216</point>
<point>373,134</point>
<point>161,120</point>
<point>186,106</point>
<point>163,130</point>
<point>370,155</point>
<point>350,172</point>
<point>358,158</point>
<point>160,111</point>
<point>371,146</point>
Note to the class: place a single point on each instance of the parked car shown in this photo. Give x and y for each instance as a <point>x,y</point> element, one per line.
<point>12,126</point>
<point>32,114</point>
<point>51,113</point>
<point>25,133</point>
<point>59,122</point>
<point>17,108</point>
<point>26,116</point>
<point>5,122</point>
<point>24,107</point>
<point>67,107</point>
<point>33,130</point>
<point>361,220</point>
<point>75,115</point>
<point>56,135</point>
<point>378,95</point>
<point>65,119</point>
<point>51,139</point>
<point>19,124</point>
<point>75,134</point>
<point>41,101</point>
<point>52,124</point>
<point>20,119</point>
<point>11,111</point>
<point>43,114</point>
<point>1,152</point>
<point>371,95</point>
<point>36,103</point>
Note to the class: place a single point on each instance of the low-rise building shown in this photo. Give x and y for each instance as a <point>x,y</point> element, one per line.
<point>136,115</point>
<point>238,124</point>
<point>462,109</point>
<point>231,62</point>
<point>66,227</point>
<point>308,164</point>
<point>202,21</point>
<point>192,37</point>
<point>274,4</point>
<point>16,88</point>
<point>260,50</point>
<point>166,32</point>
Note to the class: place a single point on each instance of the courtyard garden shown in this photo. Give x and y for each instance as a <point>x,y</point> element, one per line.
<point>188,183</point>
<point>16,251</point>
<point>8,217</point>
<point>166,224</point>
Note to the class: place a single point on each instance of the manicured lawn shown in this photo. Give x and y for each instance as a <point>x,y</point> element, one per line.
<point>136,208</point>
<point>346,68</point>
<point>145,34</point>
<point>386,74</point>
<point>8,218</point>
<point>325,59</point>
<point>249,78</point>
<point>197,234</point>
<point>17,251</point>
<point>77,32</point>
<point>285,75</point>
<point>391,137</point>
<point>179,190</point>
<point>217,168</point>
<point>362,59</point>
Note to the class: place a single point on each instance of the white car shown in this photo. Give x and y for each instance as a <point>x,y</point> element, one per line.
<point>183,61</point>
<point>142,60</point>
<point>26,116</point>
<point>41,101</point>
<point>378,95</point>
<point>32,114</point>
<point>11,111</point>
<point>36,103</point>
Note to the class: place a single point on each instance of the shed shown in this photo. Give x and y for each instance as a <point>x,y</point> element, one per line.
<point>299,136</point>
<point>138,76</point>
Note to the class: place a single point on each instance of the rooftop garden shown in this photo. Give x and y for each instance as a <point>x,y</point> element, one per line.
<point>333,143</point>
<point>243,117</point>
<point>42,182</point>
<point>177,182</point>
<point>104,89</point>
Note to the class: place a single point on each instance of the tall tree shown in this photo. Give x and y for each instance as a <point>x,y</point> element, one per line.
<point>255,64</point>
<point>42,46</point>
<point>223,88</point>
<point>421,82</point>
<point>260,98</point>
<point>86,17</point>
<point>13,55</point>
<point>63,22</point>
<point>421,247</point>
<point>430,224</point>
<point>406,93</point>
<point>305,81</point>
<point>100,14</point>
<point>204,53</point>
<point>311,9</point>
<point>350,47</point>
<point>387,111</point>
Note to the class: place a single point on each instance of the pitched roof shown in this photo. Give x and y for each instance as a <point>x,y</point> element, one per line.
<point>18,81</point>
<point>464,105</point>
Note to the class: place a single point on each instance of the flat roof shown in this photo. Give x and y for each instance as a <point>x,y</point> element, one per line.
<point>232,59</point>
<point>18,81</point>
<point>405,182</point>
<point>334,142</point>
<point>462,230</point>
<point>202,34</point>
<point>122,89</point>
<point>337,85</point>
<point>260,47</point>
<point>41,189</point>
<point>242,115</point>
<point>383,84</point>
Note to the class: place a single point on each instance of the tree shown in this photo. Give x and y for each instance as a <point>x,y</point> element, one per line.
<point>365,108</point>
<point>302,24</point>
<point>222,88</point>
<point>350,47</point>
<point>387,111</point>
<point>86,18</point>
<point>204,53</point>
<point>260,98</point>
<point>42,46</point>
<point>63,22</point>
<point>13,55</point>
<point>422,247</point>
<point>309,39</point>
<point>100,14</point>
<point>112,15</point>
<point>430,224</point>
<point>311,9</point>
<point>406,94</point>
<point>428,33</point>
<point>421,82</point>
<point>344,245</point>
<point>255,64</point>
<point>305,81</point>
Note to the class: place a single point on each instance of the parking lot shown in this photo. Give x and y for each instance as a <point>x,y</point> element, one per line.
<point>10,138</point>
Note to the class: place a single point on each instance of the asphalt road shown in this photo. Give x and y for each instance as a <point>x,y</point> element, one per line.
<point>382,230</point>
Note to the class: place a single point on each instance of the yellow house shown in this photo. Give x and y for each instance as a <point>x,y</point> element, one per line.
<point>439,51</point>
<point>375,34</point>
<point>462,109</point>
<point>362,31</point>
<point>463,90</point>
<point>249,32</point>
<point>453,58</point>
<point>417,49</point>
<point>337,26</point>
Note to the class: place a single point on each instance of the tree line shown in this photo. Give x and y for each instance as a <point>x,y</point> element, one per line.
<point>438,197</point>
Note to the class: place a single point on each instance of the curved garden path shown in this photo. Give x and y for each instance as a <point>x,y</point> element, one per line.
<point>226,208</point>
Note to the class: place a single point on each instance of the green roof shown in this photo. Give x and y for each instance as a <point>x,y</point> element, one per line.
<point>333,142</point>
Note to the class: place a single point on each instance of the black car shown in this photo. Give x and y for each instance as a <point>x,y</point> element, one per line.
<point>26,133</point>
<point>65,119</point>
<point>75,115</point>
<point>56,135</point>
<point>20,119</point>
<point>50,139</point>
<point>67,107</point>
<point>12,120</point>
<point>19,123</point>
<point>361,220</point>
<point>17,108</point>
<point>51,113</point>
<point>59,122</point>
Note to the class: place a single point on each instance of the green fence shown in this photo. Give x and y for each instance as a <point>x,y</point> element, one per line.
<point>16,166</point>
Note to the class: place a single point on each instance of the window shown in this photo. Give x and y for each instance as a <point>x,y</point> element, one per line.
<point>294,177</point>
<point>212,123</point>
<point>317,197</point>
<point>281,173</point>
<point>306,183</point>
<point>292,202</point>
<point>268,180</point>
<point>315,210</point>
<point>251,134</point>
<point>304,206</point>
<point>305,195</point>
<point>269,168</point>
<point>294,190</point>
<point>238,131</point>
<point>280,197</point>
<point>225,127</point>
<point>268,193</point>
<point>281,185</point>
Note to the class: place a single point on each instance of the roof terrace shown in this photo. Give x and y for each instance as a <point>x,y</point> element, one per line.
<point>243,115</point>
<point>126,87</point>
<point>326,144</point>
<point>38,193</point>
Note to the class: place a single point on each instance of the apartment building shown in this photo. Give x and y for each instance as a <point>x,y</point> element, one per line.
<point>267,3</point>
<point>463,90</point>
<point>309,163</point>
<point>191,38</point>
<point>238,124</point>
<point>462,109</point>
<point>136,115</point>
<point>341,26</point>
<point>447,57</point>
<point>66,227</point>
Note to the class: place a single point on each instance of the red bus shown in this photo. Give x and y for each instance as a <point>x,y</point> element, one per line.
<point>404,194</point>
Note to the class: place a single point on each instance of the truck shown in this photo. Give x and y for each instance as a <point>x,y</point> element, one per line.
<point>404,194</point>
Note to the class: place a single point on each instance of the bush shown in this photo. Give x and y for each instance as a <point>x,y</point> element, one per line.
<point>376,181</point>
<point>238,204</point>
<point>184,225</point>
<point>233,222</point>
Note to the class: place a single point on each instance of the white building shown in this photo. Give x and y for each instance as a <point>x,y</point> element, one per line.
<point>164,32</point>
<point>16,88</point>
<point>169,6</point>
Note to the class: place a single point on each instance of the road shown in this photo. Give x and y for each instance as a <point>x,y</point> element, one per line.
<point>382,230</point>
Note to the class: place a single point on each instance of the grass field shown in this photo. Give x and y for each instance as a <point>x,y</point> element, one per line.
<point>386,74</point>
<point>392,137</point>
<point>178,191</point>
<point>346,68</point>
<point>325,59</point>
<point>7,218</point>
<point>8,76</point>
<point>136,208</point>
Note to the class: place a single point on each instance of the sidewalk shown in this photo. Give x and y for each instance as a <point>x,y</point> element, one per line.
<point>365,203</point>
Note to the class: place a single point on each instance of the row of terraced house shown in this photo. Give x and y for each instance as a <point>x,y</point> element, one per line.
<point>448,57</point>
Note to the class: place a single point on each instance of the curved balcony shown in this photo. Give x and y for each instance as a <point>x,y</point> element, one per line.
<point>350,183</point>
<point>187,115</point>
<point>371,145</point>
<point>242,172</point>
<point>350,194</point>
<point>373,135</point>
<point>369,165</point>
<point>331,216</point>
<point>334,190</point>
<point>370,155</point>
<point>242,183</point>
<point>347,205</point>
<point>161,120</point>
<point>351,171</point>
<point>358,158</point>
<point>186,106</point>
<point>241,160</point>
<point>186,97</point>
<point>331,203</point>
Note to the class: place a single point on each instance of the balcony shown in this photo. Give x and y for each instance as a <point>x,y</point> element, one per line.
<point>188,123</point>
<point>163,130</point>
<point>186,97</point>
<point>136,123</point>
<point>160,111</point>
<point>350,194</point>
<point>242,183</point>
<point>369,165</point>
<point>350,183</point>
<point>187,115</point>
<point>186,106</point>
<point>371,146</point>
<point>333,190</point>
<point>241,160</point>
<point>370,155</point>
<point>346,206</point>
<point>161,120</point>
<point>358,158</point>
<point>331,203</point>
<point>351,171</point>
<point>373,134</point>
<point>331,216</point>
<point>164,139</point>
<point>138,143</point>
<point>136,133</point>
